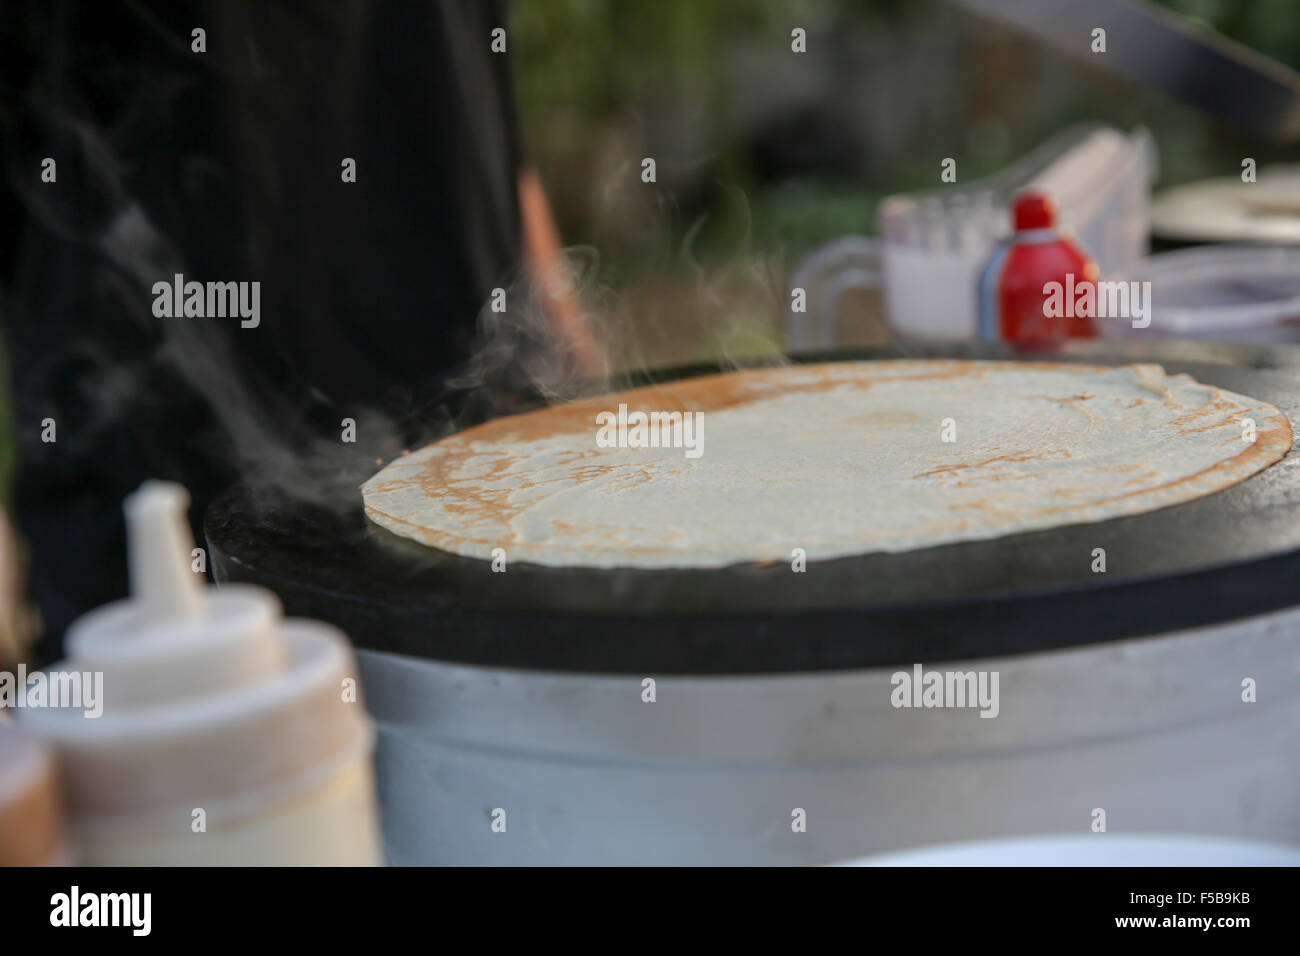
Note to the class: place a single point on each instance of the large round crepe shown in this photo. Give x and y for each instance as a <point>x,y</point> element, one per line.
<point>837,459</point>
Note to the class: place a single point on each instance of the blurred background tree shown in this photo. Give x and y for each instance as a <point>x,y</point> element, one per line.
<point>763,153</point>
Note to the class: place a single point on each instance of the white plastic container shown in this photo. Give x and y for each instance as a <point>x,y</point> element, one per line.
<point>1230,210</point>
<point>1229,293</point>
<point>228,735</point>
<point>935,244</point>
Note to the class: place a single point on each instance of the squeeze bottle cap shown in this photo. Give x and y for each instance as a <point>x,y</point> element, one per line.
<point>174,638</point>
<point>1034,210</point>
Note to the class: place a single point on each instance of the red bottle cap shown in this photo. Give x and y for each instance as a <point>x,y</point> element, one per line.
<point>1034,210</point>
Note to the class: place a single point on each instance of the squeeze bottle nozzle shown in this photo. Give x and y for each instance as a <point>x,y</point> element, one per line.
<point>159,548</point>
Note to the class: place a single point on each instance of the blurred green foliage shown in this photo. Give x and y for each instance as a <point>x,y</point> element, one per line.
<point>1271,27</point>
<point>760,153</point>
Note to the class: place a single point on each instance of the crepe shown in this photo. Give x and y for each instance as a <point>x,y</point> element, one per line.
<point>835,459</point>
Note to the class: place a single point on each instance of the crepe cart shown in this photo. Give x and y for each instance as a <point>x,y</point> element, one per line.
<point>512,726</point>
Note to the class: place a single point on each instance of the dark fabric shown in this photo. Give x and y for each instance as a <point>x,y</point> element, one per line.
<point>226,166</point>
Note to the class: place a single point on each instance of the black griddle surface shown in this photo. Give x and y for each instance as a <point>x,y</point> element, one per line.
<point>1228,555</point>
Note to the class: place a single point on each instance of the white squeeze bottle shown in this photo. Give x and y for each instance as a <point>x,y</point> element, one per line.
<point>228,735</point>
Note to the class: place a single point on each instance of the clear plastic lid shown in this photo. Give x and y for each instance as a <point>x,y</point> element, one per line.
<point>1226,293</point>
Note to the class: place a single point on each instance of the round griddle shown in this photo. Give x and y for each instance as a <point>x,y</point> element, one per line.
<point>1228,555</point>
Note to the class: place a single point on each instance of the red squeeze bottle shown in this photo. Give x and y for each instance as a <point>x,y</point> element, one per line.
<point>1029,291</point>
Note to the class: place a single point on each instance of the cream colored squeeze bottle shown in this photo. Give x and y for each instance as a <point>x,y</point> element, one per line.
<point>228,735</point>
